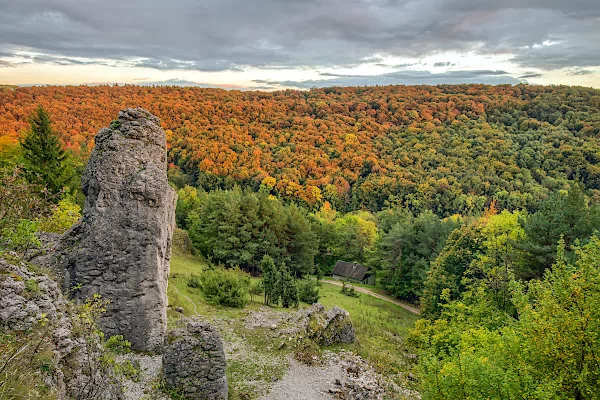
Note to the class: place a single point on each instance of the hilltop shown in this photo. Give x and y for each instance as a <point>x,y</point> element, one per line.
<point>448,148</point>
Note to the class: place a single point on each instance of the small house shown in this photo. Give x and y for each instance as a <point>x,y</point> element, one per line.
<point>353,272</point>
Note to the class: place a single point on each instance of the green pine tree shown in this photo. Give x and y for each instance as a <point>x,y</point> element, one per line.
<point>301,242</point>
<point>288,288</point>
<point>45,160</point>
<point>269,279</point>
<point>562,215</point>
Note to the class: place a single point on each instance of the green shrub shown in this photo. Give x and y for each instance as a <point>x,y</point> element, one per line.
<point>194,281</point>
<point>308,290</point>
<point>32,289</point>
<point>348,290</point>
<point>182,243</point>
<point>21,236</point>
<point>26,361</point>
<point>118,345</point>
<point>226,287</point>
<point>20,200</point>
<point>128,369</point>
<point>64,215</point>
<point>307,351</point>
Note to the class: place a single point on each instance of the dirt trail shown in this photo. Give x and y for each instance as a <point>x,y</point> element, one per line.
<point>187,298</point>
<point>406,306</point>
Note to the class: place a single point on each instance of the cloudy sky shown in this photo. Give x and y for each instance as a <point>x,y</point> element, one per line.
<point>269,44</point>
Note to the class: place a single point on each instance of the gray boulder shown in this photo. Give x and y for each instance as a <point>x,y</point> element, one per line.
<point>122,246</point>
<point>194,362</point>
<point>327,327</point>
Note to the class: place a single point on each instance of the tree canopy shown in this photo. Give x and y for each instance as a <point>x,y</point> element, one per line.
<point>449,148</point>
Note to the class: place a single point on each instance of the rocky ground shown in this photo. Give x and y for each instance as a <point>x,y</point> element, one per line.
<point>341,375</point>
<point>145,386</point>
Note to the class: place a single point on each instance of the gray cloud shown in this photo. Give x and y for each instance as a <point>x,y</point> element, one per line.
<point>531,75</point>
<point>166,64</point>
<point>403,78</point>
<point>443,64</point>
<point>233,34</point>
<point>579,71</point>
<point>58,60</point>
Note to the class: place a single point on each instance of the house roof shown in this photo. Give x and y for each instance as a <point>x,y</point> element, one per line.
<point>350,270</point>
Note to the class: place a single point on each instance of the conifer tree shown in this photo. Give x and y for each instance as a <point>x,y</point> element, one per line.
<point>301,242</point>
<point>45,160</point>
<point>561,215</point>
<point>269,278</point>
<point>288,288</point>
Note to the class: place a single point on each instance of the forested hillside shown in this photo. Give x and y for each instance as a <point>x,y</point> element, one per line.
<point>448,149</point>
<point>480,204</point>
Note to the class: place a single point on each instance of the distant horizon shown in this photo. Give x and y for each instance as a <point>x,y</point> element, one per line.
<point>248,89</point>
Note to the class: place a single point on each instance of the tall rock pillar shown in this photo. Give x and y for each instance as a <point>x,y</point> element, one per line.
<point>122,246</point>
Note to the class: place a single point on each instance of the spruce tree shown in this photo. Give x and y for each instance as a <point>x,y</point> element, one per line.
<point>269,278</point>
<point>301,242</point>
<point>561,215</point>
<point>288,288</point>
<point>45,160</point>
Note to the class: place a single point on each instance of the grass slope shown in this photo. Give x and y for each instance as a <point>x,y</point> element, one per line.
<point>380,328</point>
<point>253,355</point>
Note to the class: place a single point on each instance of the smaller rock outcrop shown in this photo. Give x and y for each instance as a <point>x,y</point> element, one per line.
<point>328,327</point>
<point>32,306</point>
<point>194,361</point>
<point>322,326</point>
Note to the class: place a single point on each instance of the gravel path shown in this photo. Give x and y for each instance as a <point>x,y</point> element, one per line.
<point>303,382</point>
<point>402,304</point>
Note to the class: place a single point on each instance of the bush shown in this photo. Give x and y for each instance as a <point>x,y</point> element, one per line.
<point>194,281</point>
<point>21,236</point>
<point>308,290</point>
<point>20,200</point>
<point>64,215</point>
<point>26,362</point>
<point>348,290</point>
<point>118,345</point>
<point>226,287</point>
<point>182,243</point>
<point>307,351</point>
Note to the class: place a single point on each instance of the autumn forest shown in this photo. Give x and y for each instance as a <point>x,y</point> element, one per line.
<point>448,149</point>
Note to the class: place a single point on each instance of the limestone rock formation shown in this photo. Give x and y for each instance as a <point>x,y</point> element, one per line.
<point>33,308</point>
<point>122,246</point>
<point>194,362</point>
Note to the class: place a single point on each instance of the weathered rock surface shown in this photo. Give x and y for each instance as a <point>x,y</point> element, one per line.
<point>325,327</point>
<point>122,246</point>
<point>26,298</point>
<point>328,327</point>
<point>194,361</point>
